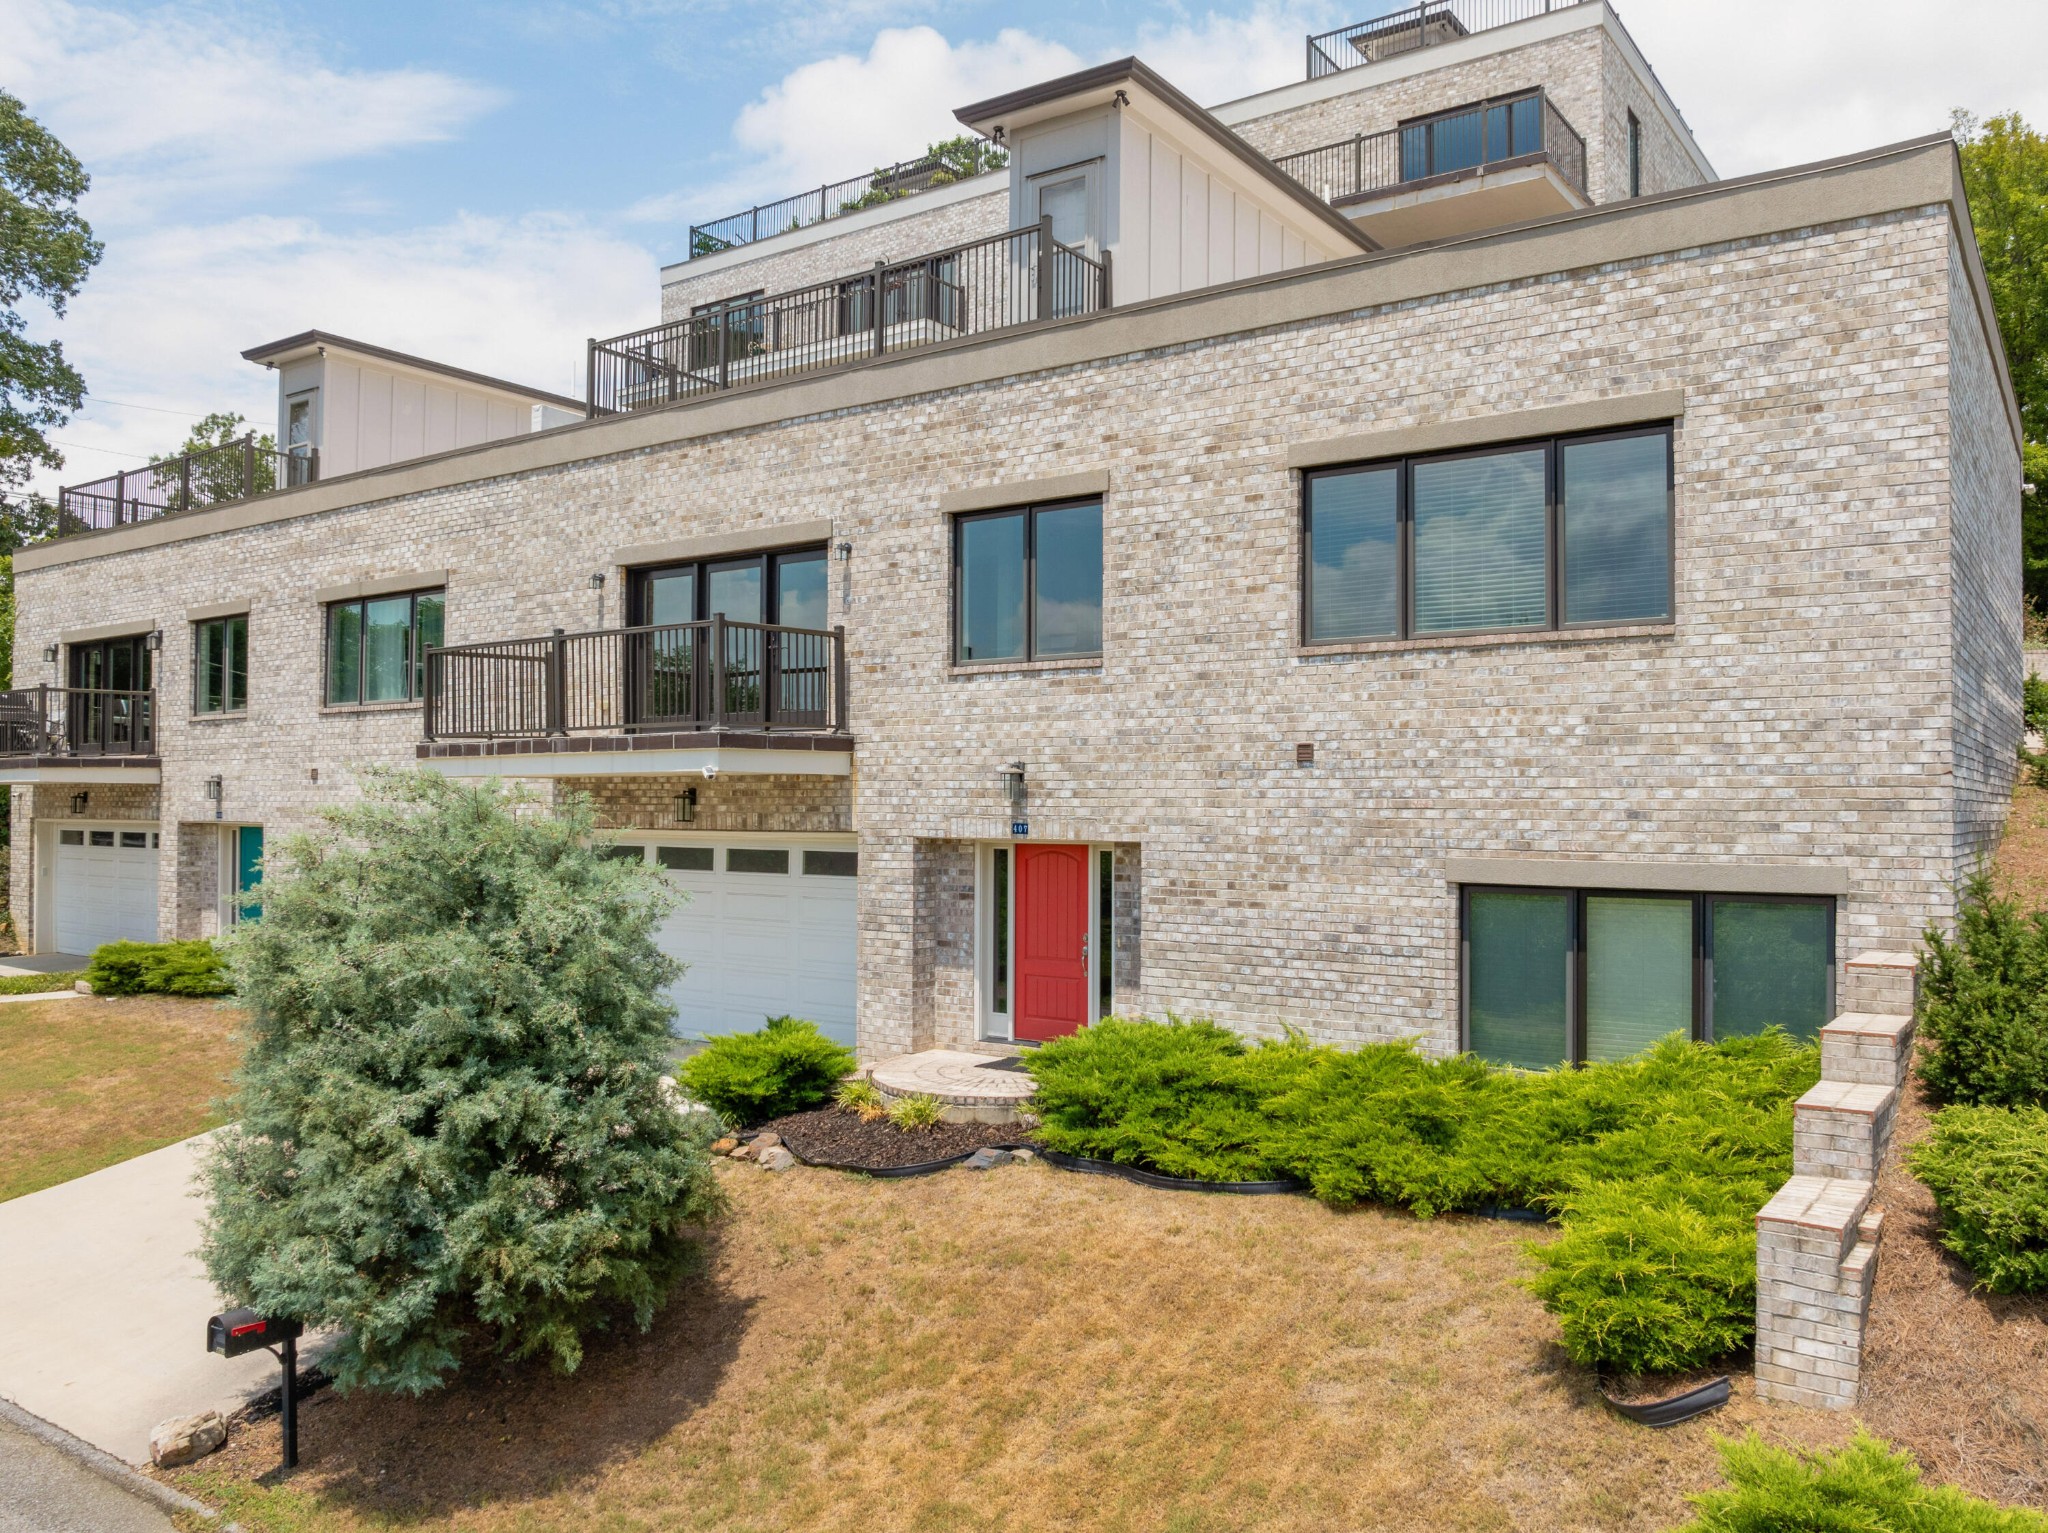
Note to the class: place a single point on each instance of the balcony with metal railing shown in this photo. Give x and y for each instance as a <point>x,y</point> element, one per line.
<point>1424,25</point>
<point>657,698</point>
<point>213,476</point>
<point>67,730</point>
<point>977,288</point>
<point>1478,166</point>
<point>943,165</point>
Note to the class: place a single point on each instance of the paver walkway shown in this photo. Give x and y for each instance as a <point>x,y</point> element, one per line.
<point>103,1307</point>
<point>955,1077</point>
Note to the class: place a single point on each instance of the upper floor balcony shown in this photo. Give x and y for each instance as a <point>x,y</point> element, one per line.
<point>942,165</point>
<point>1423,25</point>
<point>79,734</point>
<point>1477,166</point>
<point>985,285</point>
<point>669,697</point>
<point>213,476</point>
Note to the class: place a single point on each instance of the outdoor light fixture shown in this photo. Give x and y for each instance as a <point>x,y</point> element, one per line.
<point>155,639</point>
<point>596,579</point>
<point>49,654</point>
<point>79,801</point>
<point>1013,783</point>
<point>214,793</point>
<point>845,552</point>
<point>686,807</point>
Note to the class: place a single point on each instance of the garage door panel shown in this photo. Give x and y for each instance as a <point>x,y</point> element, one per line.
<point>103,893</point>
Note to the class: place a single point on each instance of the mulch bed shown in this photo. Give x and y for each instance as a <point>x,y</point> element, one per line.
<point>844,1140</point>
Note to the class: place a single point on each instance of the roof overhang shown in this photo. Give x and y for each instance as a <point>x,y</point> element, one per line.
<point>70,771</point>
<point>310,343</point>
<point>1138,84</point>
<point>1465,202</point>
<point>707,754</point>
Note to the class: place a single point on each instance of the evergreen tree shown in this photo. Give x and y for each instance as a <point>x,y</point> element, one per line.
<point>452,1134</point>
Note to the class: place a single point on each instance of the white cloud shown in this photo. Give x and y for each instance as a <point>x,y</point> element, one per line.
<point>1223,56</point>
<point>1771,83</point>
<point>165,103</point>
<point>513,298</point>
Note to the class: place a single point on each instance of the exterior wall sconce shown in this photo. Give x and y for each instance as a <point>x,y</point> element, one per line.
<point>155,640</point>
<point>49,654</point>
<point>1013,783</point>
<point>685,809</point>
<point>844,551</point>
<point>215,791</point>
<point>79,802</point>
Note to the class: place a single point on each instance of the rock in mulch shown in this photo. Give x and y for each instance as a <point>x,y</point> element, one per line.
<point>845,1139</point>
<point>985,1160</point>
<point>185,1439</point>
<point>776,1158</point>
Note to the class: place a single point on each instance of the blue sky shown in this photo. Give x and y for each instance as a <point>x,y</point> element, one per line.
<point>488,184</point>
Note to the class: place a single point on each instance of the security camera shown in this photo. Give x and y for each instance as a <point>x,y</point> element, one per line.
<point>711,774</point>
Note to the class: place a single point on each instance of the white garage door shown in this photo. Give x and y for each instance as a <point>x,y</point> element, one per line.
<point>766,930</point>
<point>105,887</point>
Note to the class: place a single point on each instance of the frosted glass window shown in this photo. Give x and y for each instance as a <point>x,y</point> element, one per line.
<point>1518,977</point>
<point>1639,972</point>
<point>1771,966</point>
<point>1617,529</point>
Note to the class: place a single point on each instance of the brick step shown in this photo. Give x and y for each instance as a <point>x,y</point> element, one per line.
<point>1869,1048</point>
<point>1843,1128</point>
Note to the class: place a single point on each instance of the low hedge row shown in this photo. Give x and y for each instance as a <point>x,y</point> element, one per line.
<point>787,1067</point>
<point>1654,1167</point>
<point>1988,1170</point>
<point>1864,1487</point>
<point>158,968</point>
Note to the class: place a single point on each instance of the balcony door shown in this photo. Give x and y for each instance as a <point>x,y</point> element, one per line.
<point>109,706</point>
<point>1069,198</point>
<point>771,677</point>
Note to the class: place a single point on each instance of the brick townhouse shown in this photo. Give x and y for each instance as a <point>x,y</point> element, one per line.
<point>1407,553</point>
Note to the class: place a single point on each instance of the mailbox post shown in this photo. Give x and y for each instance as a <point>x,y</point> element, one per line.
<point>243,1330</point>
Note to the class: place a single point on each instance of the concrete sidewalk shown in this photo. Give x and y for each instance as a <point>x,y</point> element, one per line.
<point>103,1307</point>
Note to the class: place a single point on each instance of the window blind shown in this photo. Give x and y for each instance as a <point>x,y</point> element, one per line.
<point>1353,528</point>
<point>1481,541</point>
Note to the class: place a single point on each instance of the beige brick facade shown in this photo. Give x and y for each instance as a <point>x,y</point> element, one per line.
<point>1838,688</point>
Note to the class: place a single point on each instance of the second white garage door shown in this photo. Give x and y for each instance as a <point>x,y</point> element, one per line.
<point>767,930</point>
<point>105,886</point>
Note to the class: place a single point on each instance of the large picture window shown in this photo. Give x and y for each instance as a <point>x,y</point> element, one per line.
<point>1564,533</point>
<point>1027,584</point>
<point>220,665</point>
<point>1557,976</point>
<point>377,647</point>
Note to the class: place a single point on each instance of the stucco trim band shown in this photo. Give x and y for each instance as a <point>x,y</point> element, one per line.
<point>710,545</point>
<point>1682,877</point>
<point>93,635</point>
<point>1025,492</point>
<point>217,609</point>
<point>1482,430</point>
<point>383,585</point>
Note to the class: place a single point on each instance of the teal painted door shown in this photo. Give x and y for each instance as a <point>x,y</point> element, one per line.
<point>248,870</point>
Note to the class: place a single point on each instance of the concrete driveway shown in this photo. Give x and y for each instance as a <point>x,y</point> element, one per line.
<point>103,1307</point>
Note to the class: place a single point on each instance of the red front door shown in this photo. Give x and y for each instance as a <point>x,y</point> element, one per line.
<point>1052,941</point>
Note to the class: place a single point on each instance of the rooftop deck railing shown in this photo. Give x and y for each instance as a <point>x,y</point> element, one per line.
<point>1519,127</point>
<point>670,677</point>
<point>972,289</point>
<point>214,476</point>
<point>832,200</point>
<point>1423,25</point>
<point>44,723</point>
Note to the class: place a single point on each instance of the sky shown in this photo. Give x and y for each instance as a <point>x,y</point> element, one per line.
<point>490,184</point>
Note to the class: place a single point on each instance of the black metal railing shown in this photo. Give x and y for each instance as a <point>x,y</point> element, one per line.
<point>834,198</point>
<point>671,677</point>
<point>46,722</point>
<point>1521,126</point>
<point>1422,25</point>
<point>213,476</point>
<point>987,284</point>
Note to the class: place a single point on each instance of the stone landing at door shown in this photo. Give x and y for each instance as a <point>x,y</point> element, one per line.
<point>976,1088</point>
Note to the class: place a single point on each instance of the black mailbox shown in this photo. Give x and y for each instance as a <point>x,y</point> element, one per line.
<point>243,1330</point>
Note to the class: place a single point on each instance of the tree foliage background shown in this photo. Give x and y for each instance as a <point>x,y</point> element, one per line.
<point>2005,172</point>
<point>453,1139</point>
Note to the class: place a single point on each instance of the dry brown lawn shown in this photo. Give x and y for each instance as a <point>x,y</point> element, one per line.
<point>88,1082</point>
<point>1028,1349</point>
<point>2021,867</point>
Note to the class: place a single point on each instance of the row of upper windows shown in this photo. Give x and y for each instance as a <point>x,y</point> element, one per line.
<point>1566,532</point>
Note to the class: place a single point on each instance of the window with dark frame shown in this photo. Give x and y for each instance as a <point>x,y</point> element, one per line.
<point>1565,532</point>
<point>377,647</point>
<point>220,665</point>
<point>784,586</point>
<point>1027,583</point>
<point>1635,156</point>
<point>1570,976</point>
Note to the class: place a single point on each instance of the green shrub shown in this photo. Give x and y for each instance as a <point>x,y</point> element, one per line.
<point>1862,1488</point>
<point>1984,1004</point>
<point>37,984</point>
<point>1654,1166</point>
<point>789,1066</point>
<point>861,1098</point>
<point>2034,703</point>
<point>917,1113</point>
<point>1988,1170</point>
<point>158,968</point>
<point>453,1131</point>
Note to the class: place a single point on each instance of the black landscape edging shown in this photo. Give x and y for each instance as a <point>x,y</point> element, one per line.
<point>1095,1167</point>
<point>1671,1411</point>
<point>918,1168</point>
<point>1509,1212</point>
